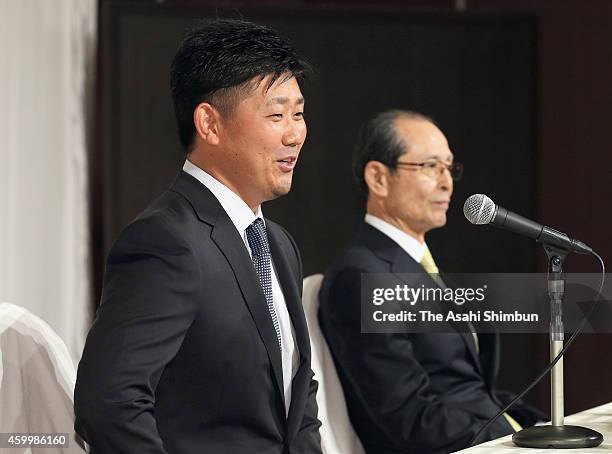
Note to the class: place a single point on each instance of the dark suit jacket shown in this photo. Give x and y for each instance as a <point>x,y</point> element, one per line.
<point>406,393</point>
<point>183,356</point>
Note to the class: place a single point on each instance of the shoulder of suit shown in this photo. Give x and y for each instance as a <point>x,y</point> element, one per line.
<point>361,257</point>
<point>169,204</point>
<point>161,223</point>
<point>351,264</point>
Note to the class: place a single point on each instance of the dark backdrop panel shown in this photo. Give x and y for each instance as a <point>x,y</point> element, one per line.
<point>475,74</point>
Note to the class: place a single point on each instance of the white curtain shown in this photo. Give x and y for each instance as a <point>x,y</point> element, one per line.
<point>47,68</point>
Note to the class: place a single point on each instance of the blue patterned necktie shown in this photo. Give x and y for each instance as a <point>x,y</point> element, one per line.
<point>258,242</point>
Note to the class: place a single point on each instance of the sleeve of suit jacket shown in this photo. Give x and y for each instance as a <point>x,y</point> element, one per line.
<point>388,381</point>
<point>151,287</point>
<point>525,414</point>
<point>308,438</point>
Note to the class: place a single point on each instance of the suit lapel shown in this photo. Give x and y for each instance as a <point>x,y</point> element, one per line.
<point>226,237</point>
<point>402,263</point>
<point>468,338</point>
<point>228,240</point>
<point>289,286</point>
<point>290,289</point>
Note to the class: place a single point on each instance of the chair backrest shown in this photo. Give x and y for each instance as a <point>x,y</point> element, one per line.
<point>337,433</point>
<point>37,378</point>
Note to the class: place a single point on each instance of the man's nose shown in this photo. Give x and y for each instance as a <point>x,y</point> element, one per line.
<point>446,181</point>
<point>295,133</point>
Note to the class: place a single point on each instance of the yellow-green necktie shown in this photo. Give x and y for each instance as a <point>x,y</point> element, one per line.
<point>515,425</point>
<point>429,264</point>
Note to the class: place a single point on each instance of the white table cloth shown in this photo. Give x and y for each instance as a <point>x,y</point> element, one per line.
<point>598,418</point>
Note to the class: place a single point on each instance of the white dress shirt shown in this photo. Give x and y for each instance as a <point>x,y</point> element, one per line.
<point>242,216</point>
<point>411,245</point>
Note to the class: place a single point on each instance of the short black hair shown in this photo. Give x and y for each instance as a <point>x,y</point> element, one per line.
<point>217,60</point>
<point>377,140</point>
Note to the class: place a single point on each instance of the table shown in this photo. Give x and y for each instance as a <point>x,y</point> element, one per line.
<point>598,418</point>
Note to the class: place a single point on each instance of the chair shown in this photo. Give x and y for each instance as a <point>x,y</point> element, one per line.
<point>37,379</point>
<point>337,434</point>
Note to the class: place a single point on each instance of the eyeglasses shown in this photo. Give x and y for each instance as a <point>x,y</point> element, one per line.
<point>434,168</point>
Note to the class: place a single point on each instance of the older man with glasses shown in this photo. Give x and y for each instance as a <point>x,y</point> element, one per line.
<point>408,393</point>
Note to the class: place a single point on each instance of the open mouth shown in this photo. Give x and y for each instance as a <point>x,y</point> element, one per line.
<point>287,164</point>
<point>442,203</point>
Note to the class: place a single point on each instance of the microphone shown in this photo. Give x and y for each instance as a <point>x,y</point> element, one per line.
<point>480,209</point>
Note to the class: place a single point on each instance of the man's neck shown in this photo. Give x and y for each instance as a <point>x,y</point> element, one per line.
<point>218,175</point>
<point>396,222</point>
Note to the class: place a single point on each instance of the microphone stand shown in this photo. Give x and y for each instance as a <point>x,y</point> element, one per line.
<point>556,435</point>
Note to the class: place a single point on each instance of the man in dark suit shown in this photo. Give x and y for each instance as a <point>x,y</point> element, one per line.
<point>200,343</point>
<point>408,393</point>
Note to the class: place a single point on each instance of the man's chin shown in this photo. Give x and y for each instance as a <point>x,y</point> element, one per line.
<point>281,191</point>
<point>281,188</point>
<point>439,221</point>
<point>277,191</point>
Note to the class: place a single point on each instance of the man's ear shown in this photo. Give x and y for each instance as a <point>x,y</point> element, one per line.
<point>206,120</point>
<point>376,176</point>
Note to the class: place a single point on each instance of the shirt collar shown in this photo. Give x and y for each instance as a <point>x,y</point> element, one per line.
<point>411,245</point>
<point>238,211</point>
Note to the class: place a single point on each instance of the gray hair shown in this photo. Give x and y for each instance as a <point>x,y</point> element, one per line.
<point>377,140</point>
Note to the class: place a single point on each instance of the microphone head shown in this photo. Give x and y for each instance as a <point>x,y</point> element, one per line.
<point>479,209</point>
